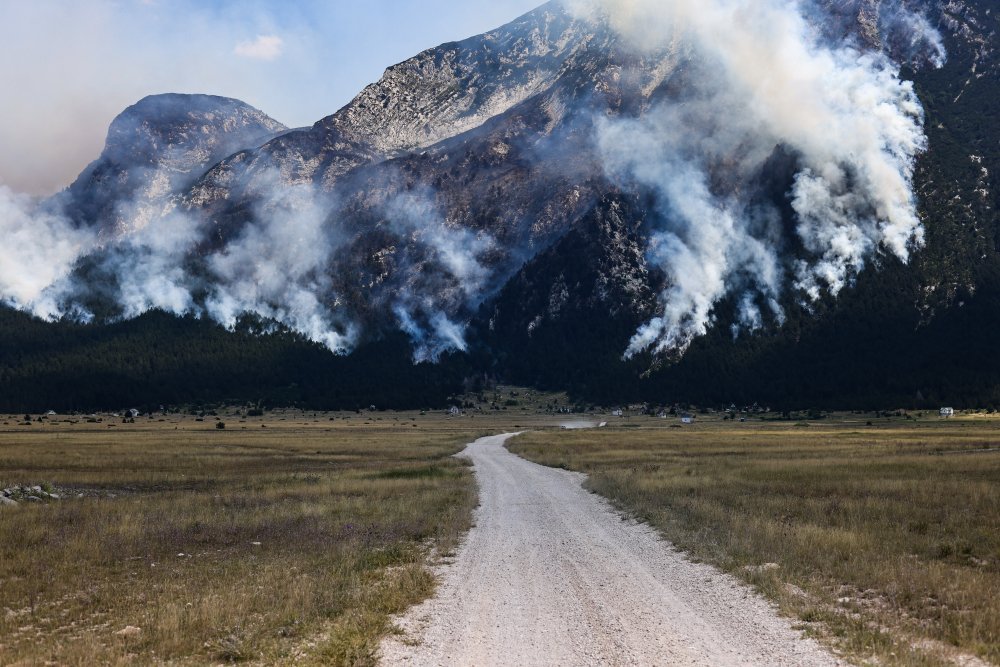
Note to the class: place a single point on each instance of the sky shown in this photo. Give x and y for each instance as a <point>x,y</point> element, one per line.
<point>68,67</point>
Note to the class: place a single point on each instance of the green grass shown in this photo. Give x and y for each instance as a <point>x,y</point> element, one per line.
<point>886,538</point>
<point>289,542</point>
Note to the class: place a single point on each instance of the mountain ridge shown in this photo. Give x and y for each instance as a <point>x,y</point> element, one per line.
<point>481,217</point>
<point>157,147</point>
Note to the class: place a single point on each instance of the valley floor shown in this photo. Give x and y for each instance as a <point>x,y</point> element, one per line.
<point>293,537</point>
<point>880,532</point>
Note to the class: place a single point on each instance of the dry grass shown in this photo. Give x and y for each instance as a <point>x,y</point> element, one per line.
<point>291,538</point>
<point>886,538</point>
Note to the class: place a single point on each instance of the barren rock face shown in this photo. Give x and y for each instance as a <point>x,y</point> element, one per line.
<point>436,95</point>
<point>157,148</point>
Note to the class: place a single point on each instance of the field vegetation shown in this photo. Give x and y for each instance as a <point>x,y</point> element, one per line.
<point>882,536</point>
<point>294,537</point>
<point>289,537</point>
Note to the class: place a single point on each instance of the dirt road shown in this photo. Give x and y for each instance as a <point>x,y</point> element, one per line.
<point>550,575</point>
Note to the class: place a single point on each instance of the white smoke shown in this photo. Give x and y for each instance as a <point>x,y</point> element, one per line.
<point>761,76</point>
<point>149,265</point>
<point>910,35</point>
<point>39,248</point>
<point>279,268</point>
<point>892,25</point>
<point>426,299</point>
<point>282,265</point>
<point>275,267</point>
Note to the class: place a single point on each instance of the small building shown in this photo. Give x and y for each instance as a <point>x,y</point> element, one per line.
<point>947,412</point>
<point>687,419</point>
<point>133,413</point>
<point>454,411</point>
<point>617,413</point>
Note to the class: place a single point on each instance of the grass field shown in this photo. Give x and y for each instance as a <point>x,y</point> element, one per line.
<point>882,536</point>
<point>293,538</point>
<point>286,538</point>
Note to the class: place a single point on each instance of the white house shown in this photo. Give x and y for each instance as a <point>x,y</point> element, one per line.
<point>687,419</point>
<point>947,412</point>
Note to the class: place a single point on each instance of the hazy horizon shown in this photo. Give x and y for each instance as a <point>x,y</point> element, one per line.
<point>73,68</point>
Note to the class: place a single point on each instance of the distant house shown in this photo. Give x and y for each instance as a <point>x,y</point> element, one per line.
<point>454,411</point>
<point>617,413</point>
<point>947,412</point>
<point>687,419</point>
<point>51,413</point>
<point>133,413</point>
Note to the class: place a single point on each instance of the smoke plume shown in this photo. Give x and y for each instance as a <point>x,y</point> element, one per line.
<point>39,248</point>
<point>763,77</point>
<point>442,273</point>
<point>279,266</point>
<point>286,264</point>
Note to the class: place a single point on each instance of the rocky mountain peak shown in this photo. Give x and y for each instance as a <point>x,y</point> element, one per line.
<point>158,147</point>
<point>455,87</point>
<point>439,94</point>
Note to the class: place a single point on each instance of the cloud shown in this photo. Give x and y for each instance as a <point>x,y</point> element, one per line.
<point>263,47</point>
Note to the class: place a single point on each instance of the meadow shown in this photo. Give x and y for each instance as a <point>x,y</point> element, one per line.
<point>294,537</point>
<point>882,535</point>
<point>286,538</point>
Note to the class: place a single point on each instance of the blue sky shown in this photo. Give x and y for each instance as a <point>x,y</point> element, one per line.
<point>69,66</point>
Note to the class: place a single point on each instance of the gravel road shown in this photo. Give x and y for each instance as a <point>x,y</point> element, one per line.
<point>551,575</point>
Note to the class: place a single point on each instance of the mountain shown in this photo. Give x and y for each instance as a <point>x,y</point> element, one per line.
<point>913,334</point>
<point>436,95</point>
<point>559,203</point>
<point>157,148</point>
